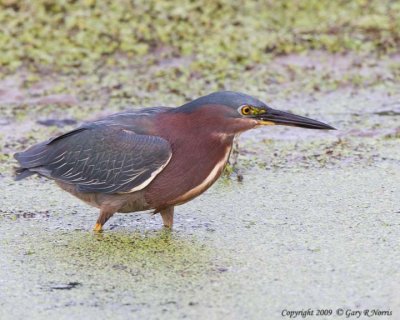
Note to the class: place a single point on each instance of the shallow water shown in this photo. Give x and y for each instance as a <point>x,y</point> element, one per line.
<point>318,238</point>
<point>314,224</point>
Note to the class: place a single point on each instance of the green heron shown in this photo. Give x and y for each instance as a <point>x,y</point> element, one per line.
<point>154,158</point>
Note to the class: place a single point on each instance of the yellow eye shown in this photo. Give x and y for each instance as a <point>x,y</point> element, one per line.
<point>246,110</point>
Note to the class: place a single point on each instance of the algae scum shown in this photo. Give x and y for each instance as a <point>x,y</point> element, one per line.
<point>315,222</point>
<point>302,218</point>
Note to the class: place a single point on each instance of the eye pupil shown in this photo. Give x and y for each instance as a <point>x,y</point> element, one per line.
<point>246,110</point>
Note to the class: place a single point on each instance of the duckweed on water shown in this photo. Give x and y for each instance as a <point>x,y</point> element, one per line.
<point>82,35</point>
<point>306,200</point>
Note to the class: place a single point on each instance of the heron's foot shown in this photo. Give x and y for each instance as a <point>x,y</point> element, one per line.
<point>106,212</point>
<point>98,227</point>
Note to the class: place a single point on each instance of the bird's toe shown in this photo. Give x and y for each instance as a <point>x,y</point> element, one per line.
<point>98,227</point>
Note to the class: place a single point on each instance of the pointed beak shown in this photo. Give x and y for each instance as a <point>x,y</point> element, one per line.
<point>276,117</point>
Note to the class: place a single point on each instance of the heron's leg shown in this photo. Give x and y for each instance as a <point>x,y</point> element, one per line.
<point>168,217</point>
<point>105,214</point>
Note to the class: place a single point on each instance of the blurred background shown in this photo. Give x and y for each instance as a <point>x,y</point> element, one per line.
<point>313,221</point>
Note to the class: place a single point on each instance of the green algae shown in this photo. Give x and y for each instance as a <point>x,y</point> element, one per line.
<point>149,257</point>
<point>311,211</point>
<point>149,250</point>
<point>81,35</point>
<point>242,250</point>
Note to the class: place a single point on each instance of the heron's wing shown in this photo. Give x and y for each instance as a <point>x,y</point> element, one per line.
<point>99,159</point>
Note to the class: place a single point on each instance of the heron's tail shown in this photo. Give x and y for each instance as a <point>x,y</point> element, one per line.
<point>27,160</point>
<point>22,173</point>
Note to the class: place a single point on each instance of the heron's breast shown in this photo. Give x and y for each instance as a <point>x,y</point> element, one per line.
<point>191,171</point>
<point>207,182</point>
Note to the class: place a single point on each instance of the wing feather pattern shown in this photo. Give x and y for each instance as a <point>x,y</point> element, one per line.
<point>98,159</point>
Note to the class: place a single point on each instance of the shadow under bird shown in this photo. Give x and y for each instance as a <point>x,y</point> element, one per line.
<point>154,158</point>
